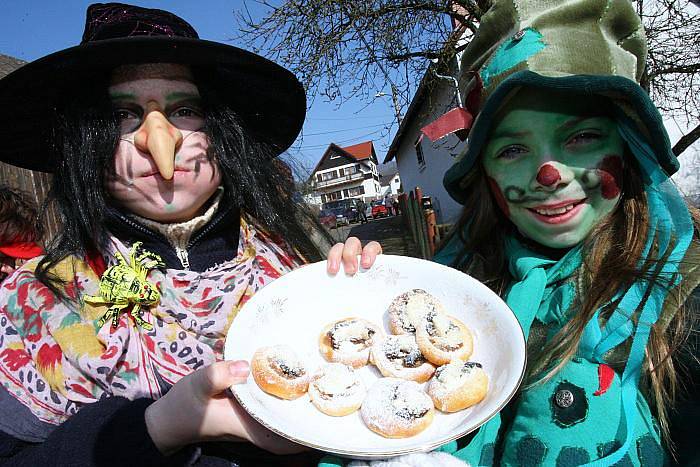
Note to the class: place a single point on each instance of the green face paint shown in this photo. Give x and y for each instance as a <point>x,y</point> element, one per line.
<point>554,164</point>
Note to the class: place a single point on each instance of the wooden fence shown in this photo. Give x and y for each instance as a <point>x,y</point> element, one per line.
<point>421,222</point>
<point>36,185</point>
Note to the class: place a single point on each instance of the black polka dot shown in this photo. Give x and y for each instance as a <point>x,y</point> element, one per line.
<point>650,453</point>
<point>530,451</point>
<point>572,456</point>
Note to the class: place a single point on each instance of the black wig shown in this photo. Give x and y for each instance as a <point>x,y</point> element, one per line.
<point>84,138</point>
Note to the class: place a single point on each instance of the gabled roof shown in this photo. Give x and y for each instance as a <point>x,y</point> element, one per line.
<point>357,152</point>
<point>386,179</point>
<point>360,151</point>
<point>9,64</point>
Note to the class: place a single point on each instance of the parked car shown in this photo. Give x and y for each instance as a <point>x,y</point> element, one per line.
<point>379,210</point>
<point>347,206</point>
<point>328,219</point>
<point>342,216</point>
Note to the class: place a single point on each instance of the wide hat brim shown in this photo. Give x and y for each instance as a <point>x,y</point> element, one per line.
<point>638,106</point>
<point>269,98</point>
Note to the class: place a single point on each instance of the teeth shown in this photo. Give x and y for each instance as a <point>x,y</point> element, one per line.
<point>554,212</point>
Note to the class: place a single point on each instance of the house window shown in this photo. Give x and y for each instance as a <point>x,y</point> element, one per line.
<point>328,176</point>
<point>419,153</point>
<point>356,191</point>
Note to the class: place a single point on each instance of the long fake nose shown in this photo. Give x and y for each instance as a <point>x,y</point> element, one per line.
<point>551,175</point>
<point>158,137</point>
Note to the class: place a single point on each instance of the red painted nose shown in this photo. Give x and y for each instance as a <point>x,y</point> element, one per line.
<point>548,175</point>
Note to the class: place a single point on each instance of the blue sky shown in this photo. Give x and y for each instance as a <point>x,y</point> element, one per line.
<point>33,28</point>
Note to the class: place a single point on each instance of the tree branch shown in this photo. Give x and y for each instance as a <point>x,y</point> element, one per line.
<point>687,139</point>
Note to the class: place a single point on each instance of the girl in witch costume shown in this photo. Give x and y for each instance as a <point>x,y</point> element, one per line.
<point>569,215</point>
<point>174,214</point>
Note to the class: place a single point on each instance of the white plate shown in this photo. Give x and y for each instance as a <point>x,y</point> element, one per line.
<point>294,309</point>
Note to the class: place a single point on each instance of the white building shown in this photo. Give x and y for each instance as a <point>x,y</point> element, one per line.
<point>349,172</point>
<point>423,163</point>
<point>390,183</point>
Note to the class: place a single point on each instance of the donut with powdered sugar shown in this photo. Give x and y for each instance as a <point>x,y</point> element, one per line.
<point>348,341</point>
<point>409,307</point>
<point>278,371</point>
<point>396,408</point>
<point>458,385</point>
<point>336,389</point>
<point>400,357</point>
<point>443,338</point>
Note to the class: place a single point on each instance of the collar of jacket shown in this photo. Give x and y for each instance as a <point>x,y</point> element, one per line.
<point>213,243</point>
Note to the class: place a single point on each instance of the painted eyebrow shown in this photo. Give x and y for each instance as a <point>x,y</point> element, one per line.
<point>122,96</point>
<point>178,95</point>
<point>575,121</point>
<point>510,134</point>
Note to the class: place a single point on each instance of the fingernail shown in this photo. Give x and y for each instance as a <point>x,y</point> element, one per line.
<point>365,261</point>
<point>332,266</point>
<point>239,369</point>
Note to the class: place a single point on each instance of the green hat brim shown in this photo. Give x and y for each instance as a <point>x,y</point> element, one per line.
<point>614,87</point>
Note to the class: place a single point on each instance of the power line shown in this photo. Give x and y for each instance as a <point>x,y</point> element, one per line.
<point>356,138</point>
<point>344,118</point>
<point>344,130</point>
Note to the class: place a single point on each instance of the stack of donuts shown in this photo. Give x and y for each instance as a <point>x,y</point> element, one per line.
<point>423,361</point>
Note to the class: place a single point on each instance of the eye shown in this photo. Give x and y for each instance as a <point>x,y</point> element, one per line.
<point>128,120</point>
<point>125,114</point>
<point>187,112</point>
<point>584,137</point>
<point>187,118</point>
<point>511,152</point>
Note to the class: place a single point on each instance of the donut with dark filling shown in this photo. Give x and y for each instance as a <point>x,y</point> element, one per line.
<point>400,357</point>
<point>278,371</point>
<point>458,385</point>
<point>348,341</point>
<point>443,338</point>
<point>396,408</point>
<point>408,307</point>
<point>337,390</point>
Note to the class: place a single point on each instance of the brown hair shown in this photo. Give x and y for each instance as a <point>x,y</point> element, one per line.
<point>611,262</point>
<point>18,217</point>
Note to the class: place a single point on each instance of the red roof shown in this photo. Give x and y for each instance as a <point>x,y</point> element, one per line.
<point>360,151</point>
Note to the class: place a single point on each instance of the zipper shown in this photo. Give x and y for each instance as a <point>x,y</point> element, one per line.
<point>179,252</point>
<point>207,229</point>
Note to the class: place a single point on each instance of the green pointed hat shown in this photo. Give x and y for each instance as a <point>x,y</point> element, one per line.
<point>590,47</point>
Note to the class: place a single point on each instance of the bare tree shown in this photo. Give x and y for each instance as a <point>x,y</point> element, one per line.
<point>344,49</point>
<point>672,75</point>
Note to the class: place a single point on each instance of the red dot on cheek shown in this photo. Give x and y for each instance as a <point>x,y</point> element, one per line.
<point>500,200</point>
<point>610,173</point>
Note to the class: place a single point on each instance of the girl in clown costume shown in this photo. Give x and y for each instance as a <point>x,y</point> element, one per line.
<point>570,216</point>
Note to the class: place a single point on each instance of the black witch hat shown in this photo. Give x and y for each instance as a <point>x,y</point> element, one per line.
<point>268,97</point>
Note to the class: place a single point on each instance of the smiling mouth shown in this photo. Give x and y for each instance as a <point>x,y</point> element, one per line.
<point>557,213</point>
